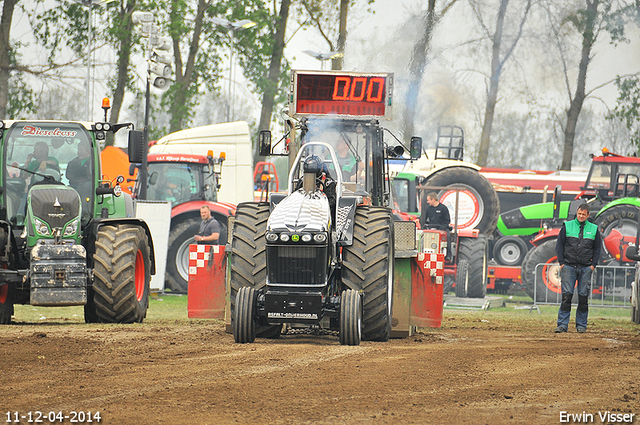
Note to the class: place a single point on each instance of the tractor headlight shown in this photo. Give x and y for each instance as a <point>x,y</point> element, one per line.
<point>272,237</point>
<point>41,227</point>
<point>306,237</point>
<point>320,237</point>
<point>117,190</point>
<point>71,228</point>
<point>284,237</point>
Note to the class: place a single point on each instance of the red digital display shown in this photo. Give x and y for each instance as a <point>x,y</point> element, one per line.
<point>341,94</point>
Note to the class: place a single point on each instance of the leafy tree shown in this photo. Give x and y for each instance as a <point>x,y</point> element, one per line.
<point>275,76</point>
<point>627,108</point>
<point>589,21</point>
<point>330,18</point>
<point>121,35</point>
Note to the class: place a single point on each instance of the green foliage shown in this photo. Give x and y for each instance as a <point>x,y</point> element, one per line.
<point>65,25</point>
<point>627,107</point>
<point>21,99</point>
<point>254,48</point>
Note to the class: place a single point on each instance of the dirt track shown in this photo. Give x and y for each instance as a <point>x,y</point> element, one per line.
<point>469,371</point>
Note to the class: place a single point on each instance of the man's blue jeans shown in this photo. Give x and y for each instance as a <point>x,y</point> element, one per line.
<point>568,276</point>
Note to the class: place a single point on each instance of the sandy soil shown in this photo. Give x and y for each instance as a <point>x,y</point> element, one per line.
<point>191,372</point>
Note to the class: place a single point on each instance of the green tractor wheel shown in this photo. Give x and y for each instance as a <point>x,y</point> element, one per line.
<point>121,274</point>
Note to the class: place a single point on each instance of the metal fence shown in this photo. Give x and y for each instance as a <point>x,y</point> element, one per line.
<point>610,286</point>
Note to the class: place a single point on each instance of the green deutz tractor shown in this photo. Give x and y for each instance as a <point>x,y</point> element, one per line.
<point>67,233</point>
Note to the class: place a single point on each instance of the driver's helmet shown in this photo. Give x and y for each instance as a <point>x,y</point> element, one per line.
<point>55,174</point>
<point>313,164</point>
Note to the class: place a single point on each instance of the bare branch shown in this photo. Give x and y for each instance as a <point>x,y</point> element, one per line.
<point>317,22</point>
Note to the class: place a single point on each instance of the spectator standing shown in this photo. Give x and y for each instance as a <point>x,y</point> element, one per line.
<point>578,249</point>
<point>209,228</point>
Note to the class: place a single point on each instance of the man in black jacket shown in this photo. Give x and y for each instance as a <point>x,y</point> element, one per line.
<point>434,214</point>
<point>578,249</point>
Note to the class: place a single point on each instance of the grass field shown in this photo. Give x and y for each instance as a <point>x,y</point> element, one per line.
<point>167,309</point>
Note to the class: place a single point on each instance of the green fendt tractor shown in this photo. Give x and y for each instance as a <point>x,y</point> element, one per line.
<point>67,233</point>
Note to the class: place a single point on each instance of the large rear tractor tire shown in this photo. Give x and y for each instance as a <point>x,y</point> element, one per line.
<point>244,323</point>
<point>544,279</point>
<point>474,251</point>
<point>350,318</point>
<point>180,237</point>
<point>121,274</point>
<point>6,303</point>
<point>478,205</point>
<point>367,267</point>
<point>249,257</point>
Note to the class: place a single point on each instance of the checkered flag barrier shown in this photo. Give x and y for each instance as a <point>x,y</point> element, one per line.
<point>435,264</point>
<point>200,256</point>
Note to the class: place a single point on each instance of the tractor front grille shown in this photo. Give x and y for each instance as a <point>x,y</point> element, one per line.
<point>297,265</point>
<point>56,206</point>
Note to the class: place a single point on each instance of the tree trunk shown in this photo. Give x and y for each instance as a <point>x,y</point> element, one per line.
<point>5,48</point>
<point>416,69</point>
<point>180,108</point>
<point>588,39</point>
<point>336,63</point>
<point>124,58</point>
<point>274,67</point>
<point>494,81</point>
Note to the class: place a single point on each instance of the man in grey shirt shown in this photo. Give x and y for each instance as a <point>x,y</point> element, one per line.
<point>209,228</point>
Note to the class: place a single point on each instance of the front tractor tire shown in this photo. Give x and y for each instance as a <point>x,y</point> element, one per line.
<point>248,262</point>
<point>462,279</point>
<point>121,274</point>
<point>244,323</point>
<point>474,252</point>
<point>350,318</point>
<point>367,267</point>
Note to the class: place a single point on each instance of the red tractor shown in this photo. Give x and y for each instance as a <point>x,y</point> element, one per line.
<point>188,182</point>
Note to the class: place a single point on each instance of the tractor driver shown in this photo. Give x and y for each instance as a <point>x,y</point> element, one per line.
<point>40,160</point>
<point>434,215</point>
<point>79,168</point>
<point>346,160</point>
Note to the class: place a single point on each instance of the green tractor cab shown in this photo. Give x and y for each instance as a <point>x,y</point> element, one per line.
<point>68,235</point>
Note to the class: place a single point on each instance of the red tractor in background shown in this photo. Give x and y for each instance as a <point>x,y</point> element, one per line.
<point>265,179</point>
<point>188,182</point>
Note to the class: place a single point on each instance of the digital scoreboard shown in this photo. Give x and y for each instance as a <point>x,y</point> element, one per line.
<point>341,93</point>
